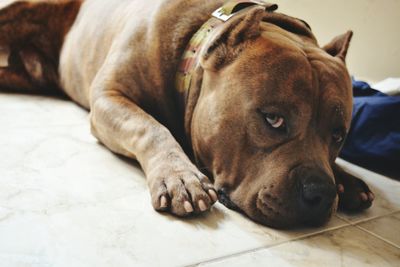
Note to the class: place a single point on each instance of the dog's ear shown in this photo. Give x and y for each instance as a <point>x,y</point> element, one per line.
<point>228,42</point>
<point>339,45</point>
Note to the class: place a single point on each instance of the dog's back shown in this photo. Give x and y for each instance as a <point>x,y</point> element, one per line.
<point>99,25</point>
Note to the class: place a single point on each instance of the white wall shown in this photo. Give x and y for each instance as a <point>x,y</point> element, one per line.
<point>375,49</point>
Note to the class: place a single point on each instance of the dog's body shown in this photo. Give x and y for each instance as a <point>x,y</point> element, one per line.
<point>254,119</point>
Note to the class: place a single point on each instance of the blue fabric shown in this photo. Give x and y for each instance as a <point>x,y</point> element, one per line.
<point>374,137</point>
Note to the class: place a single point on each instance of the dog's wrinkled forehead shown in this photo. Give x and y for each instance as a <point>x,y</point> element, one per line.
<point>293,60</point>
<point>290,24</point>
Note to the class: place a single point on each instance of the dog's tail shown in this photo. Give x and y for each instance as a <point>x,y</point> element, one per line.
<point>31,37</point>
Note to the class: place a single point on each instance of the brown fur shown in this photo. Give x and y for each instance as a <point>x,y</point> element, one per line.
<point>118,59</point>
<point>34,41</point>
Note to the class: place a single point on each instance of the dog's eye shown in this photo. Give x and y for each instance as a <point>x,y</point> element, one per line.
<point>338,136</point>
<point>275,121</point>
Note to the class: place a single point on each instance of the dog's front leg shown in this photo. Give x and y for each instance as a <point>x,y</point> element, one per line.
<point>176,185</point>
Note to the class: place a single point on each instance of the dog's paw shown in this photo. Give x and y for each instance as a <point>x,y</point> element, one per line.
<point>354,194</point>
<point>182,192</point>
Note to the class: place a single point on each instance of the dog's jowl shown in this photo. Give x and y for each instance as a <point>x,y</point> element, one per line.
<point>230,100</point>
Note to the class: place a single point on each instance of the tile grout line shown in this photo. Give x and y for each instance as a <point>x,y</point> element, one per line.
<point>268,246</point>
<point>357,224</point>
<point>377,236</point>
<point>367,219</point>
<point>348,223</point>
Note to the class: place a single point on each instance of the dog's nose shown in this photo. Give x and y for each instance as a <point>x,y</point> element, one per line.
<point>317,195</point>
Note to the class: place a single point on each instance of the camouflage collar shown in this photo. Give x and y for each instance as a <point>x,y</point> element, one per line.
<point>191,56</point>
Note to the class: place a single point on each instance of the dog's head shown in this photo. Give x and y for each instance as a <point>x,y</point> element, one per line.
<point>273,111</point>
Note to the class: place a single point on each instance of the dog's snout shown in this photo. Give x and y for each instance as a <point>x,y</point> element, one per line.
<point>317,194</point>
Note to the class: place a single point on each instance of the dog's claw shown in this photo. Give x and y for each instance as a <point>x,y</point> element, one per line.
<point>364,196</point>
<point>213,195</point>
<point>188,207</point>
<point>163,202</point>
<point>202,205</point>
<point>371,196</point>
<point>340,188</point>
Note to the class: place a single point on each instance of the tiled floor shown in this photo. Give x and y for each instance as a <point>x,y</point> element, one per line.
<point>67,201</point>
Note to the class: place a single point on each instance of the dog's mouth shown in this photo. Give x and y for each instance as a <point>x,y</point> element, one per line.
<point>274,212</point>
<point>224,199</point>
<point>266,214</point>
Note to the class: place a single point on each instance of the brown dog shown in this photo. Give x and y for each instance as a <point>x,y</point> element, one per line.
<point>258,105</point>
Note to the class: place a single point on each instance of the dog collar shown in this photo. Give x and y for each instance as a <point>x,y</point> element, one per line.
<point>190,58</point>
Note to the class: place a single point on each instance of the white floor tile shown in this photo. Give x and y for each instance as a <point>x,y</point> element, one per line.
<point>387,228</point>
<point>347,246</point>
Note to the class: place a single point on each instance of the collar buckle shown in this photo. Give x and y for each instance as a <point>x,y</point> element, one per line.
<point>220,14</point>
<point>230,8</point>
